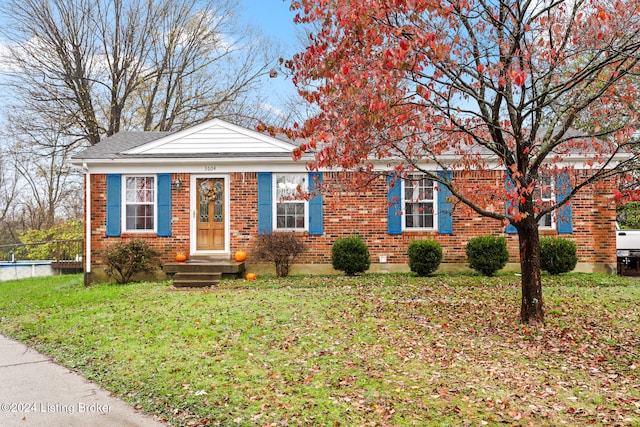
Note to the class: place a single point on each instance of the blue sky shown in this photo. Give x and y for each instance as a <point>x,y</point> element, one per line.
<point>274,18</point>
<point>273,15</point>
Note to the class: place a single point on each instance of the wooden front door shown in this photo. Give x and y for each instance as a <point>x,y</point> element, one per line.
<point>210,215</point>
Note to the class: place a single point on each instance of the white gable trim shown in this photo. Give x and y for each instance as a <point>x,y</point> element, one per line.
<point>214,136</point>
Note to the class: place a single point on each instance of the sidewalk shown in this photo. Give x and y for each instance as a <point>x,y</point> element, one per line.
<point>36,392</point>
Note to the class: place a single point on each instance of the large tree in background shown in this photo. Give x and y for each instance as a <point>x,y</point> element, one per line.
<point>101,66</point>
<point>9,190</point>
<point>517,84</point>
<point>51,189</point>
<point>75,71</point>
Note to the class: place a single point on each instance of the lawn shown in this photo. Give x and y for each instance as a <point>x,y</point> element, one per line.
<point>376,350</point>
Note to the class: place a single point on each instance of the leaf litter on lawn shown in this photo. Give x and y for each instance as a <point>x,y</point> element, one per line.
<point>369,350</point>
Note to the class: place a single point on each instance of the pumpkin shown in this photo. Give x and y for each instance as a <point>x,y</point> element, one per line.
<point>251,276</point>
<point>181,257</point>
<point>240,256</point>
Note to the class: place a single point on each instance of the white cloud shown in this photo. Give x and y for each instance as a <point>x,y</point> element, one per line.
<point>274,110</point>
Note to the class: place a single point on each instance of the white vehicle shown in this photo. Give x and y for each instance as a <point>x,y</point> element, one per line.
<point>628,249</point>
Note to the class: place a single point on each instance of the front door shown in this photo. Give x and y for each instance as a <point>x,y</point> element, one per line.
<point>210,214</point>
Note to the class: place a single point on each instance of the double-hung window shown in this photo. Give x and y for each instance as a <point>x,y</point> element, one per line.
<point>545,194</point>
<point>291,210</point>
<point>140,202</point>
<point>419,203</point>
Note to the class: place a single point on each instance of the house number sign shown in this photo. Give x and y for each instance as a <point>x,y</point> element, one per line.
<point>209,168</point>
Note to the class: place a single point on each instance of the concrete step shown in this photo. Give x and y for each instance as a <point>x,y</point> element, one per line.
<point>203,273</point>
<point>196,279</point>
<point>228,268</point>
<point>198,275</point>
<point>193,284</point>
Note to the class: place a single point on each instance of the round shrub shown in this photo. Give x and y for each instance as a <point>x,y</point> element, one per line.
<point>487,254</point>
<point>125,259</point>
<point>351,255</point>
<point>424,256</point>
<point>557,255</point>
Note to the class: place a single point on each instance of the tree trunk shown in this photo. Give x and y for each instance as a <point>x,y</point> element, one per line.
<point>532,308</point>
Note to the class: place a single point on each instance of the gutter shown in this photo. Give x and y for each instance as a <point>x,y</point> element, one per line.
<point>87,222</point>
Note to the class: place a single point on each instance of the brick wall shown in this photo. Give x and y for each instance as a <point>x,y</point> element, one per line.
<point>365,213</point>
<point>168,247</point>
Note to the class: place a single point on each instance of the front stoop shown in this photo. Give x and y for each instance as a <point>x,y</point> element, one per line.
<point>203,273</point>
<point>195,279</point>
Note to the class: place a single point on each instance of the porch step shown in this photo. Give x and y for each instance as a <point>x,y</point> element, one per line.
<point>195,279</point>
<point>202,273</point>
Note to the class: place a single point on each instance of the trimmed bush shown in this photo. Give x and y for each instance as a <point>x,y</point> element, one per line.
<point>557,255</point>
<point>487,254</point>
<point>125,259</point>
<point>351,255</point>
<point>424,256</point>
<point>279,248</point>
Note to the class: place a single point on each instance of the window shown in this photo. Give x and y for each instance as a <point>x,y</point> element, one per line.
<point>545,193</point>
<point>550,189</point>
<point>419,203</point>
<point>139,200</point>
<point>291,212</point>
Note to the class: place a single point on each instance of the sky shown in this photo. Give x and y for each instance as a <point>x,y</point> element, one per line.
<point>273,17</point>
<point>275,20</point>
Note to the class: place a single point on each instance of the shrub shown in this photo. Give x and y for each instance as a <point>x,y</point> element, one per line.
<point>280,248</point>
<point>125,259</point>
<point>424,256</point>
<point>47,244</point>
<point>557,255</point>
<point>628,215</point>
<point>487,254</point>
<point>351,255</point>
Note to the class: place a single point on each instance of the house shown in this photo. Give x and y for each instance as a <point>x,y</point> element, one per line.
<point>208,191</point>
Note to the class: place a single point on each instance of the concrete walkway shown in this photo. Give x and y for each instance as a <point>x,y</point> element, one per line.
<point>36,392</point>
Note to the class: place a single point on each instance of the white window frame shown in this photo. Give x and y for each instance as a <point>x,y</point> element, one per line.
<point>414,179</point>
<point>277,200</point>
<point>126,203</point>
<point>551,199</point>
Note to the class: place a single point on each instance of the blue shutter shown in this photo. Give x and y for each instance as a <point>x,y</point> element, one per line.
<point>394,206</point>
<point>315,205</point>
<point>511,229</point>
<point>114,200</point>
<point>445,209</point>
<point>265,208</point>
<point>164,204</point>
<point>565,212</point>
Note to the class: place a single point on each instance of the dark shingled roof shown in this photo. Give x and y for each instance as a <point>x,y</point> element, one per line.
<point>112,146</point>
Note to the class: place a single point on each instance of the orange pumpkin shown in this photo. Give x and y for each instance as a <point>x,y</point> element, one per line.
<point>240,256</point>
<point>251,276</point>
<point>181,257</point>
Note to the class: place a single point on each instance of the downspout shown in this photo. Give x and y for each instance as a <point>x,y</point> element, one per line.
<point>87,223</point>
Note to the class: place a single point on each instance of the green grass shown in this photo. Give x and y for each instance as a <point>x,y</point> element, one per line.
<point>379,350</point>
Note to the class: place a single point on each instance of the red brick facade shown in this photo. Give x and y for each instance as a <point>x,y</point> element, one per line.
<point>365,213</point>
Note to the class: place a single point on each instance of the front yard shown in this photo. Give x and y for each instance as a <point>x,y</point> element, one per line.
<point>378,350</point>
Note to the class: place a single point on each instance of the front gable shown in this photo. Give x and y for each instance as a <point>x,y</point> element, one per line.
<point>213,137</point>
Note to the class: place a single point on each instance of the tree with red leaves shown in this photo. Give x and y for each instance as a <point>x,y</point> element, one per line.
<point>521,86</point>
